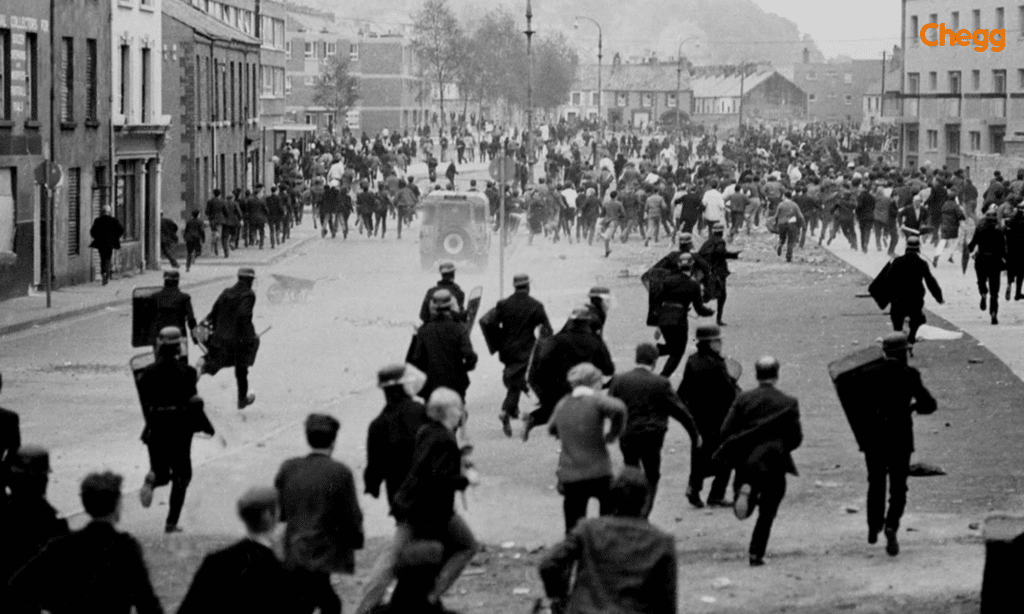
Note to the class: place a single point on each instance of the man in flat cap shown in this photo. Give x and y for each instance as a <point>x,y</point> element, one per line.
<point>715,253</point>
<point>174,413</point>
<point>171,307</point>
<point>233,341</point>
<point>891,442</point>
<point>989,247</point>
<point>905,284</point>
<point>447,282</point>
<point>324,523</point>
<point>515,322</point>
<point>442,349</point>
<point>247,576</point>
<point>669,309</point>
<point>758,435</point>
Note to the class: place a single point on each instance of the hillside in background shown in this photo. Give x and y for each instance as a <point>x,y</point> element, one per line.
<point>728,31</point>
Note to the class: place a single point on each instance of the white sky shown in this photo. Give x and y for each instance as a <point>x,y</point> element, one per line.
<point>861,29</point>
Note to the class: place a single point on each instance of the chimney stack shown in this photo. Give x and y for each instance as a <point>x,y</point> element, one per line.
<point>807,55</point>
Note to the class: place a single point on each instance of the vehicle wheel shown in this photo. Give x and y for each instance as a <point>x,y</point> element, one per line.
<point>275,293</point>
<point>455,244</point>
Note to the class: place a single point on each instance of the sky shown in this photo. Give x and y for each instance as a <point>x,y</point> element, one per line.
<point>861,29</point>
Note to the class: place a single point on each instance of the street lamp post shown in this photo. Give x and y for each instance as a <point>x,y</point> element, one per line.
<point>528,140</point>
<point>679,86</point>
<point>600,57</point>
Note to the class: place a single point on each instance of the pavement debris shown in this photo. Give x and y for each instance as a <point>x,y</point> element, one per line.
<point>852,509</point>
<point>721,583</point>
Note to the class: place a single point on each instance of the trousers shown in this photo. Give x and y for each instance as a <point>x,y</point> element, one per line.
<point>170,461</point>
<point>900,313</point>
<point>644,450</point>
<point>989,272</point>
<point>576,495</point>
<point>674,347</point>
<point>789,234</point>
<point>767,489</point>
<point>893,467</point>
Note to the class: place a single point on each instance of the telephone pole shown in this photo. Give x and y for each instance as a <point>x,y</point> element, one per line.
<point>528,139</point>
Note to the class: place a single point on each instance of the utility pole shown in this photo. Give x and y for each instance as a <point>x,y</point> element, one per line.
<point>600,57</point>
<point>743,75</point>
<point>528,139</point>
<point>50,208</point>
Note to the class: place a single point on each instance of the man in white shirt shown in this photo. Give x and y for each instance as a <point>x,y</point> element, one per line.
<point>714,205</point>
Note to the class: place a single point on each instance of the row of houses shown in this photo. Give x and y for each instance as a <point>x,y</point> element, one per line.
<point>158,102</point>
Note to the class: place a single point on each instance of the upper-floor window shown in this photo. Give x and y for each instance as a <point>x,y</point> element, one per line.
<point>976,79</point>
<point>5,74</point>
<point>91,80</point>
<point>847,78</point>
<point>915,32</point>
<point>976,18</point>
<point>933,33</point>
<point>999,81</point>
<point>1000,17</point>
<point>309,49</point>
<point>595,98</point>
<point>811,75</point>
<point>647,100</point>
<point>913,83</point>
<point>67,80</point>
<point>288,50</point>
<point>353,51</point>
<point>332,49</point>
<point>622,99</point>
<point>954,18</point>
<point>954,82</point>
<point>933,81</point>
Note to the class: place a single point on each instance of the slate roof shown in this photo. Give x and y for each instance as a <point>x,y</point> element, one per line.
<point>728,86</point>
<point>630,78</point>
<point>205,24</point>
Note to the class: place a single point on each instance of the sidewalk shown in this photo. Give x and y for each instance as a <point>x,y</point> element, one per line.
<point>25,312</point>
<point>960,292</point>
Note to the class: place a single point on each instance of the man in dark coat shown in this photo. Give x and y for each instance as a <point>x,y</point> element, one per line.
<point>168,239</point>
<point>1015,252</point>
<point>276,213</point>
<point>106,233</point>
<point>554,356</point>
<point>906,280</point>
<point>172,307</point>
<point>259,216</point>
<point>989,260</point>
<point>100,568</point>
<point>330,206</point>
<point>760,432</point>
<point>442,350</point>
<point>390,444</point>
<point>215,215</point>
<point>716,255</point>
<point>233,341</point>
<point>865,213</point>
<point>650,402</point>
<point>174,413</point>
<point>515,322</point>
<point>425,501</point>
<point>708,391</point>
<point>10,441</point>
<point>324,523</point>
<point>247,576</point>
<point>447,282</point>
<point>195,236</point>
<point>891,443</point>
<point>366,204</point>
<point>672,294</point>
<point>232,221</point>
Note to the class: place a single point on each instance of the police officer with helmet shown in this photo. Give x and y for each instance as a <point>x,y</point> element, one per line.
<point>174,412</point>
<point>171,307</point>
<point>233,341</point>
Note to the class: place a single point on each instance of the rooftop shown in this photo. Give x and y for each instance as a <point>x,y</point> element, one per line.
<point>205,24</point>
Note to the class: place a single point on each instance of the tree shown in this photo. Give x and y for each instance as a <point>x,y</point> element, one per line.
<point>555,64</point>
<point>336,89</point>
<point>439,43</point>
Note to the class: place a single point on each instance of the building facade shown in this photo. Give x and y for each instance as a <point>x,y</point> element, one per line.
<point>211,86</point>
<point>957,101</point>
<point>313,39</point>
<point>632,95</point>
<point>835,91</point>
<point>139,128</point>
<point>722,97</point>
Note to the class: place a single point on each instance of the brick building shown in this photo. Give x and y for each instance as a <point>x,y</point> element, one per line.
<point>835,90</point>
<point>313,38</point>
<point>634,95</point>
<point>81,141</point>
<point>211,83</point>
<point>958,101</point>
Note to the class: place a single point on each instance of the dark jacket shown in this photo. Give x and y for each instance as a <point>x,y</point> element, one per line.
<point>518,316</point>
<point>426,498</point>
<point>716,254</point>
<point>195,231</point>
<point>907,277</point>
<point>670,302</point>
<point>100,569</point>
<point>168,231</point>
<point>1015,239</point>
<point>106,233</point>
<point>442,350</point>
<point>215,212</point>
<point>166,391</point>
<point>865,210</point>
<point>650,402</point>
<point>232,213</point>
<point>444,284</point>
<point>761,430</point>
<point>573,345</point>
<point>900,394</point>
<point>989,239</point>
<point>708,392</point>
<point>10,442</point>
<point>31,523</point>
<point>321,509</point>
<point>172,307</point>
<point>233,337</point>
<point>244,577</point>
<point>259,211</point>
<point>390,444</point>
<point>622,565</point>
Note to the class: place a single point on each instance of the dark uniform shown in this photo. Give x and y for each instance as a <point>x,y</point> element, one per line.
<point>216,214</point>
<point>891,442</point>
<point>708,391</point>
<point>515,320</point>
<point>989,261</point>
<point>671,298</point>
<point>904,280</point>
<point>447,282</point>
<point>10,441</point>
<point>716,255</point>
<point>171,307</point>
<point>173,413</point>
<point>195,236</point>
<point>1015,253</point>
<point>442,350</point>
<point>233,341</point>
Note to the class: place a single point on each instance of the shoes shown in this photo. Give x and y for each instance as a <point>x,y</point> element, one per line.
<point>995,319</point>
<point>718,503</point>
<point>527,425</point>
<point>872,536</point>
<point>506,424</point>
<point>778,250</point>
<point>172,528</point>
<point>756,560</point>
<point>247,401</point>
<point>146,492</point>
<point>1018,297</point>
<point>984,303</point>
<point>1007,294</point>
<point>892,547</point>
<point>694,498</point>
<point>608,252</point>
<point>935,262</point>
<point>721,323</point>
<point>743,507</point>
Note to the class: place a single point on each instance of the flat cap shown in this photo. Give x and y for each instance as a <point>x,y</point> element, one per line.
<point>914,243</point>
<point>685,239</point>
<point>708,332</point>
<point>580,313</point>
<point>33,460</point>
<point>257,499</point>
<point>599,291</point>
<point>446,267</point>
<point>895,342</point>
<point>169,335</point>
<point>718,229</point>
<point>685,261</point>
<point>441,298</point>
<point>175,275</point>
<point>391,375</point>
<point>247,272</point>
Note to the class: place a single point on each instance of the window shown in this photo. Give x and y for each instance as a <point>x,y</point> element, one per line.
<point>67,80</point>
<point>912,138</point>
<point>309,49</point>
<point>976,18</point>
<point>91,75</point>
<point>147,86</point>
<point>309,81</point>
<point>933,81</point>
<point>955,19</point>
<point>812,97</point>
<point>1000,15</point>
<point>231,89</point>
<point>74,180</point>
<point>975,140</point>
<point>647,100</point>
<point>976,79</point>
<point>848,99</point>
<point>1020,78</point>
<point>847,78</point>
<point>124,95</point>
<point>1020,18</point>
<point>999,81</point>
<point>5,74</point>
<point>915,32</point>
<point>811,75</point>
<point>576,99</point>
<point>332,49</point>
<point>622,99</point>
<point>215,102</point>
<point>126,198</point>
<point>595,98</point>
<point>954,82</point>
<point>146,3</point>
<point>933,33</point>
<point>288,84</point>
<point>671,100</point>
<point>288,50</point>
<point>353,51</point>
<point>913,83</point>
<point>933,140</point>
<point>32,75</point>
<point>996,134</point>
<point>309,119</point>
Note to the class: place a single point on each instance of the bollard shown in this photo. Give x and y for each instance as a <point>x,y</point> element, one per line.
<point>1004,562</point>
